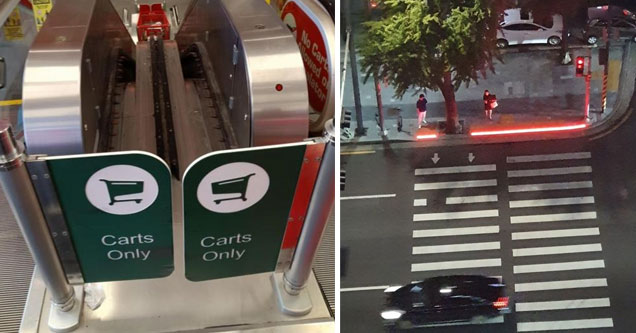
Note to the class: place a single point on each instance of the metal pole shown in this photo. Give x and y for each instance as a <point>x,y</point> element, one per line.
<point>343,75</point>
<point>295,278</point>
<point>588,77</point>
<point>21,196</point>
<point>360,130</point>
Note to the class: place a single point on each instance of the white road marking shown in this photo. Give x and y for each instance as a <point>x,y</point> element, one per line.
<point>552,202</point>
<point>375,196</point>
<point>558,285</point>
<point>471,199</point>
<point>419,202</point>
<point>466,247</point>
<point>558,266</point>
<point>471,214</point>
<point>363,288</point>
<point>549,186</point>
<point>456,231</point>
<point>550,250</point>
<point>549,157</point>
<point>564,325</point>
<point>552,217</point>
<point>556,233</point>
<point>456,169</point>
<point>563,305</point>
<point>459,264</point>
<point>549,172</point>
<point>457,184</point>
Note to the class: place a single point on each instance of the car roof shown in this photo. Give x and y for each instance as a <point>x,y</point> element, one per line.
<point>455,286</point>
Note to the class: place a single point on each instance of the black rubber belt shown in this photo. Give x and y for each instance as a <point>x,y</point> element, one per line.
<point>164,128</point>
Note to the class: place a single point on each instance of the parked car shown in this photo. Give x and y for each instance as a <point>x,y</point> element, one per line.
<point>594,31</point>
<point>524,32</point>
<point>609,12</point>
<point>444,299</point>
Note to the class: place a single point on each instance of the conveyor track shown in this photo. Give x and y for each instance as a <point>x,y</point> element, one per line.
<point>166,143</point>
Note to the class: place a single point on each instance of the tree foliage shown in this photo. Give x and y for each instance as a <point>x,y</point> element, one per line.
<point>416,43</point>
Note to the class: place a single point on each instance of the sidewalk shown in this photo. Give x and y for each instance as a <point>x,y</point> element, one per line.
<point>511,113</point>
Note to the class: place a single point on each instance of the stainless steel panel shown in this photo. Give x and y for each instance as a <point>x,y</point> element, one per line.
<point>138,123</point>
<point>267,55</point>
<point>49,201</point>
<point>66,74</point>
<point>6,7</point>
<point>174,304</point>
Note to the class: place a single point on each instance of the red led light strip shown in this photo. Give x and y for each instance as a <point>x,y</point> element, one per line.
<point>530,130</point>
<point>428,136</point>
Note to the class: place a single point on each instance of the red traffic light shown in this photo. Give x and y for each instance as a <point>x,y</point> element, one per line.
<point>580,66</point>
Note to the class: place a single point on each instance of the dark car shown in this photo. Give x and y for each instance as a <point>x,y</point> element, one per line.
<point>625,27</point>
<point>444,299</point>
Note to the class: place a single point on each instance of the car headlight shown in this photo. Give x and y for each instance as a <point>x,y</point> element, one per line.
<point>392,314</point>
<point>392,289</point>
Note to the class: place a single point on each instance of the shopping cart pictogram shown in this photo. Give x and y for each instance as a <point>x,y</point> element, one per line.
<point>117,188</point>
<point>231,186</point>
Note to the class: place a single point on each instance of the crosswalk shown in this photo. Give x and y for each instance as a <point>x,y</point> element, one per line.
<point>458,234</point>
<point>532,219</point>
<point>557,255</point>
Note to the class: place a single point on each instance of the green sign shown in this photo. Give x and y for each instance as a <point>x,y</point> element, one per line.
<point>235,205</point>
<point>118,210</point>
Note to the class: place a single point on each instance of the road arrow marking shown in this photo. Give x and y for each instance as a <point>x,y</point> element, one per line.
<point>471,157</point>
<point>435,158</point>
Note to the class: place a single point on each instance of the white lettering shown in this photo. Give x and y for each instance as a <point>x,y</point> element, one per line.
<point>114,255</point>
<point>104,241</point>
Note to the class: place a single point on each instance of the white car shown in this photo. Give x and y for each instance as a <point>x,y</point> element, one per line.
<point>524,32</point>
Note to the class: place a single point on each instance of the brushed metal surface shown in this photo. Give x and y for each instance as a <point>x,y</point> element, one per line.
<point>175,304</point>
<point>65,76</point>
<point>252,52</point>
<point>138,124</point>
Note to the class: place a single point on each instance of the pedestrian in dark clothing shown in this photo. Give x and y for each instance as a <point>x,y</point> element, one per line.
<point>421,110</point>
<point>490,102</point>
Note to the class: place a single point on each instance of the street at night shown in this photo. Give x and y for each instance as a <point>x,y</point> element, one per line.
<point>555,218</point>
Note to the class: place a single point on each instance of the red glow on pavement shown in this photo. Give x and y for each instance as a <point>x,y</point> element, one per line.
<point>530,130</point>
<point>427,136</point>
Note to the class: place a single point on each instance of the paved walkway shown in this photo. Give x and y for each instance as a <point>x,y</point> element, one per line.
<point>511,113</point>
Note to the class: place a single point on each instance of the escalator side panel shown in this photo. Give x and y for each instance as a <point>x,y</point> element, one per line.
<point>252,52</point>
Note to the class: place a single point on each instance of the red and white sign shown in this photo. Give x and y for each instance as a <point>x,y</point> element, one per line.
<point>313,28</point>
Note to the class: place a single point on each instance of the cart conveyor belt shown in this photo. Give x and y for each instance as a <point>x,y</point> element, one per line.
<point>166,144</point>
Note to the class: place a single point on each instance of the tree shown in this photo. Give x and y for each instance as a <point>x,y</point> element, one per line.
<point>432,45</point>
<point>569,10</point>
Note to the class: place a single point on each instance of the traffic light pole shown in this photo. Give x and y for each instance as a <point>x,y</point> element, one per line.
<point>588,79</point>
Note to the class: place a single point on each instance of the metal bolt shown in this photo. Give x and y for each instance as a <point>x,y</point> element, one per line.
<point>34,177</point>
<point>88,63</point>
<point>46,176</point>
<point>65,233</point>
<point>54,234</point>
<point>60,39</point>
<point>245,117</point>
<point>259,26</point>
